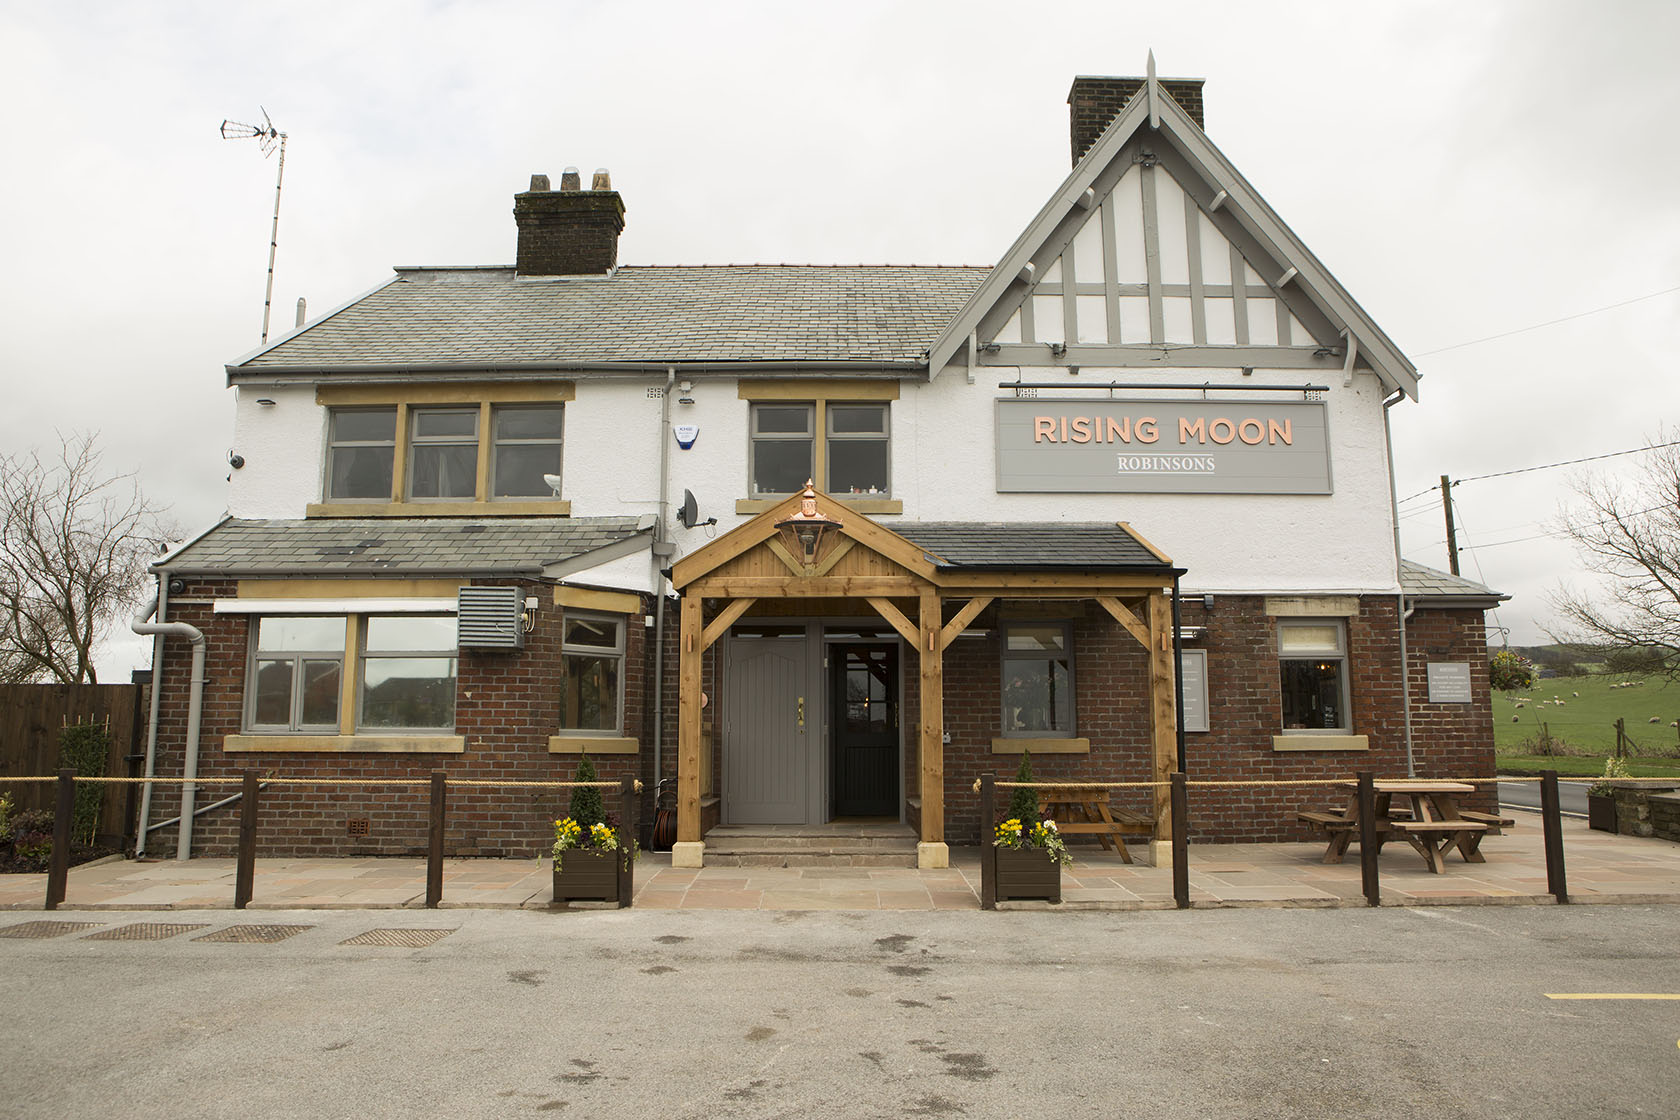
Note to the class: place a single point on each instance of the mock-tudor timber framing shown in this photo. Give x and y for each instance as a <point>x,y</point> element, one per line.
<point>909,587</point>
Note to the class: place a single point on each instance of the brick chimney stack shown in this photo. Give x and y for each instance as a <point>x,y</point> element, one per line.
<point>1093,103</point>
<point>571,231</point>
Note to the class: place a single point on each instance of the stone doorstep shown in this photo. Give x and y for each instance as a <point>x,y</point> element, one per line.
<point>779,855</point>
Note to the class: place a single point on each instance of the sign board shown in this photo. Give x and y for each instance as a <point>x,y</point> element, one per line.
<point>1194,714</point>
<point>1227,446</point>
<point>1449,682</point>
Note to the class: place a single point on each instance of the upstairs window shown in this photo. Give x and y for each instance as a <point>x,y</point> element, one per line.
<point>443,453</point>
<point>361,452</point>
<point>1312,657</point>
<point>527,448</point>
<point>1037,680</point>
<point>297,676</point>
<point>843,447</point>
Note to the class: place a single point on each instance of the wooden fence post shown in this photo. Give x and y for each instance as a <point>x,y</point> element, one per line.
<point>1368,838</point>
<point>1180,840</point>
<point>988,850</point>
<point>626,838</point>
<point>58,868</point>
<point>1552,821</point>
<point>434,847</point>
<point>247,872</point>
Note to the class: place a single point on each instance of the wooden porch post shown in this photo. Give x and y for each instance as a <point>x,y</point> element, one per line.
<point>688,851</point>
<point>1163,713</point>
<point>932,850</point>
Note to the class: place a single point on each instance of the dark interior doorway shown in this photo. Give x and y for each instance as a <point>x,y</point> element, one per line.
<point>863,687</point>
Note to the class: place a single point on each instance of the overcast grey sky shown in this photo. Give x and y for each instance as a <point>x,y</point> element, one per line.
<point>1464,169</point>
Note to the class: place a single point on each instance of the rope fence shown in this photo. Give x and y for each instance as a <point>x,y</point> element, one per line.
<point>416,782</point>
<point>1300,783</point>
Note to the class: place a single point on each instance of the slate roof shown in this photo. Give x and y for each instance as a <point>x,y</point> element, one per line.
<point>705,313</point>
<point>365,546</point>
<point>1025,544</point>
<point>1419,582</point>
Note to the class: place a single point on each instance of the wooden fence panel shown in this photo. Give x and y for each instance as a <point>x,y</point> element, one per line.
<point>32,715</point>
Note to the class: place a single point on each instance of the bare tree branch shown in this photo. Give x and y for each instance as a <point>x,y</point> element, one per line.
<point>1630,534</point>
<point>74,545</point>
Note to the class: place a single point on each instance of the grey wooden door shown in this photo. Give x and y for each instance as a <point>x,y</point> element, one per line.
<point>772,724</point>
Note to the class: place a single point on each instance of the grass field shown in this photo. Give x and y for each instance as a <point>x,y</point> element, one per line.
<point>1582,712</point>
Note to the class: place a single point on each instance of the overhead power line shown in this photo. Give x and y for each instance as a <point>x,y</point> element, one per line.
<point>1548,323</point>
<point>1540,467</point>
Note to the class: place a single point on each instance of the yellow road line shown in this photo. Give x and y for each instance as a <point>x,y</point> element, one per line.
<point>1610,995</point>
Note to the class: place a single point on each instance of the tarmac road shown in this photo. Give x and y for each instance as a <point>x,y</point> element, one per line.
<point>1572,797</point>
<point>1439,1011</point>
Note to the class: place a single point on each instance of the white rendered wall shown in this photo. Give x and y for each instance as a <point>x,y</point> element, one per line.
<point>284,449</point>
<point>943,469</point>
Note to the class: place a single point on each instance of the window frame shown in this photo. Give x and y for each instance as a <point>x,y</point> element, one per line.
<point>452,654</point>
<point>395,443</point>
<point>1340,655</point>
<point>755,439</point>
<point>1005,656</point>
<point>253,666</point>
<point>558,441</point>
<point>884,438</point>
<point>415,442</point>
<point>618,654</point>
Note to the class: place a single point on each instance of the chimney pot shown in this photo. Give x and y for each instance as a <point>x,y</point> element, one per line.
<point>569,180</point>
<point>602,181</point>
<point>539,182</point>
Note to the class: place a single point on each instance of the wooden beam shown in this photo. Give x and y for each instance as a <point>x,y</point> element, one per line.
<point>1218,201</point>
<point>895,618</point>
<point>1152,253</point>
<point>1137,536</point>
<point>1049,585</point>
<point>1352,344</point>
<point>688,720</point>
<point>725,619</point>
<point>1142,355</point>
<point>834,556</point>
<point>1163,708</point>
<point>779,550</point>
<point>965,616</point>
<point>1287,277</point>
<point>781,587</point>
<point>932,660</point>
<point>1134,626</point>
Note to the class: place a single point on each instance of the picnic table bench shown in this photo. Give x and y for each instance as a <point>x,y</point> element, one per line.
<point>1427,818</point>
<point>1086,812</point>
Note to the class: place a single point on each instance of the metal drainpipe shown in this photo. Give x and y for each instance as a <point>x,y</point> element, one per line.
<point>1403,614</point>
<point>195,708</point>
<point>1178,679</point>
<point>141,831</point>
<point>659,580</point>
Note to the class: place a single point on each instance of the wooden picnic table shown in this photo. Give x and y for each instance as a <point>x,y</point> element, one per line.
<point>1422,811</point>
<point>1087,812</point>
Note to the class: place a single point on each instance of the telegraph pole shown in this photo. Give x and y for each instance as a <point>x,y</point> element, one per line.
<point>1452,534</point>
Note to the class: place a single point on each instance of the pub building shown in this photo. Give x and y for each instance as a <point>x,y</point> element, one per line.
<point>819,546</point>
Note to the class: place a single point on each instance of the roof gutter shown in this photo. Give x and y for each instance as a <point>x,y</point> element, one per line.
<point>385,371</point>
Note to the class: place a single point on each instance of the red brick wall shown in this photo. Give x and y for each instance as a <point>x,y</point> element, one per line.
<point>506,705</point>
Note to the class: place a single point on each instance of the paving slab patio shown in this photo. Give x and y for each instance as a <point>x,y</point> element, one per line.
<point>1601,868</point>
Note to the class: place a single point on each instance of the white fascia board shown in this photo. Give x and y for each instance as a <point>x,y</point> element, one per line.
<point>163,561</point>
<point>334,606</point>
<point>233,366</point>
<point>1061,203</point>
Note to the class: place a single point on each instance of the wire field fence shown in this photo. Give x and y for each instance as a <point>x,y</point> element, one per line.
<point>249,794</point>
<point>1362,824</point>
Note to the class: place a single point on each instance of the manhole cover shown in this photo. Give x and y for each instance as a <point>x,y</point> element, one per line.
<point>46,929</point>
<point>254,933</point>
<point>400,938</point>
<point>144,931</point>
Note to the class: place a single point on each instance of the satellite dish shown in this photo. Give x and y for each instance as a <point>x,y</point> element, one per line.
<point>689,514</point>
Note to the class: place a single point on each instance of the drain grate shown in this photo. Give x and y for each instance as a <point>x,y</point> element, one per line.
<point>144,931</point>
<point>248,934</point>
<point>399,938</point>
<point>46,929</point>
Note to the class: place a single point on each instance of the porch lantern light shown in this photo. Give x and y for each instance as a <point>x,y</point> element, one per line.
<point>804,532</point>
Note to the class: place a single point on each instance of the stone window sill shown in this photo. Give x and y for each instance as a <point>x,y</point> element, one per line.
<point>604,744</point>
<point>345,744</point>
<point>1041,746</point>
<point>1320,743</point>
<point>862,505</point>
<point>541,508</point>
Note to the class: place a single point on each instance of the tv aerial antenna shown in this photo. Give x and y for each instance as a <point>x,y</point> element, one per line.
<point>268,138</point>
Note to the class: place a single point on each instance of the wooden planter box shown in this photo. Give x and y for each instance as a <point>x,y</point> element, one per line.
<point>1601,811</point>
<point>1027,873</point>
<point>585,875</point>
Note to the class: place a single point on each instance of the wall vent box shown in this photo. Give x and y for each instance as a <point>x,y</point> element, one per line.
<point>490,618</point>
